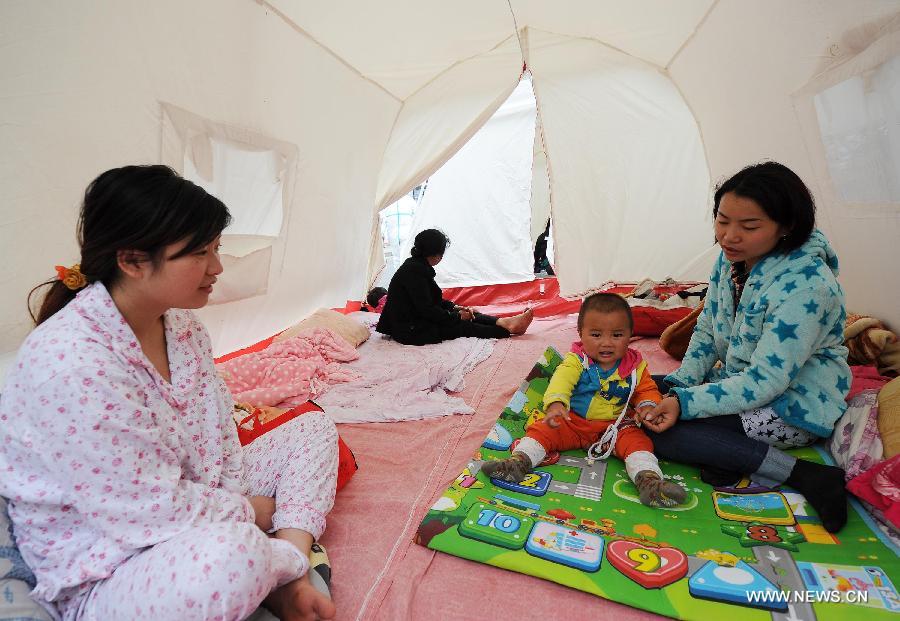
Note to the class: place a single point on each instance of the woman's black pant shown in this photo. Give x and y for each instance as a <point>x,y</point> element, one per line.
<point>481,326</point>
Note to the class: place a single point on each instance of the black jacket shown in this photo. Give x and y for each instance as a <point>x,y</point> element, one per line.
<point>415,310</point>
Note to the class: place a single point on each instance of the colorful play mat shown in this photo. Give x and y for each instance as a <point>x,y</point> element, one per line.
<point>737,553</point>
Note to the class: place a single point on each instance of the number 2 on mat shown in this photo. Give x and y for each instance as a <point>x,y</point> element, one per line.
<point>530,480</point>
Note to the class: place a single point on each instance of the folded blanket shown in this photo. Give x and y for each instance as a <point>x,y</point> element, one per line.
<point>867,339</point>
<point>290,372</point>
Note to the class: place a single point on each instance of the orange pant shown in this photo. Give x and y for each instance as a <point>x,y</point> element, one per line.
<point>579,432</point>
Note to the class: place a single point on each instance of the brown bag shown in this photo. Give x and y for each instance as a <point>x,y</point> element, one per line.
<point>675,339</point>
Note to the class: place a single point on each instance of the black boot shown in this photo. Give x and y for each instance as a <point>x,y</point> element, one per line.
<point>823,487</point>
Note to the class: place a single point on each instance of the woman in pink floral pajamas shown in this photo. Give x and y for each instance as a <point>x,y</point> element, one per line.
<point>130,495</point>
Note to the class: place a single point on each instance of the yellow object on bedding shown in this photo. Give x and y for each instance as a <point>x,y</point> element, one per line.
<point>349,329</point>
<point>889,417</point>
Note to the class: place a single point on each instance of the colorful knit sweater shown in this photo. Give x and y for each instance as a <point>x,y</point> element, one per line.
<point>782,347</point>
<point>594,394</point>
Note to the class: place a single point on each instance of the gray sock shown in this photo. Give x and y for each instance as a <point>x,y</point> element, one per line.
<point>775,468</point>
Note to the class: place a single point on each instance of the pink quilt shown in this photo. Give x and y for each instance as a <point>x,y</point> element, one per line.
<point>290,372</point>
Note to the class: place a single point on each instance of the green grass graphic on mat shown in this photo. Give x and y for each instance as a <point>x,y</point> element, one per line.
<point>580,524</point>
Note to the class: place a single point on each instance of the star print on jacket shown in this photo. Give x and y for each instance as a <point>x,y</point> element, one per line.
<point>783,348</point>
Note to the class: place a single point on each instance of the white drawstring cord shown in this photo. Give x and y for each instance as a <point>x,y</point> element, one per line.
<point>612,432</point>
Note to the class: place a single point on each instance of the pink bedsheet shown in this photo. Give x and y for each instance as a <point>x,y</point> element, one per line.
<point>379,573</point>
<point>290,372</point>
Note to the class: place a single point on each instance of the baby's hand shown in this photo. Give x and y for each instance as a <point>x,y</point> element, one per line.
<point>640,412</point>
<point>555,411</point>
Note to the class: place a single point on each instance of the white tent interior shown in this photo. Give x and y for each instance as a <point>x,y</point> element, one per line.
<point>481,198</point>
<point>312,116</point>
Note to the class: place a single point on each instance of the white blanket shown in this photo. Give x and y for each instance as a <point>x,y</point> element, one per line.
<point>402,382</point>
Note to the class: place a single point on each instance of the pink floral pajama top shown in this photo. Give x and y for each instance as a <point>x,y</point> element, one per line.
<point>102,457</point>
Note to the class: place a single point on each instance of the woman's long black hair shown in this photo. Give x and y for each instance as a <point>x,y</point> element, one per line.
<point>142,208</point>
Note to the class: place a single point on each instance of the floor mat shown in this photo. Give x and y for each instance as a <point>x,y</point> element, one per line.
<point>721,554</point>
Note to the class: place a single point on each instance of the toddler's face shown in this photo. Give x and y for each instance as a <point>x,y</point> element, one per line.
<point>605,337</point>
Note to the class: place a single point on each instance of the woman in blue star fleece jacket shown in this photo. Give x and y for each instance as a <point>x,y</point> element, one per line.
<point>766,368</point>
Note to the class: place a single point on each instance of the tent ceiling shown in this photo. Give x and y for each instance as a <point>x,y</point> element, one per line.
<point>647,29</point>
<point>404,45</point>
<point>376,96</point>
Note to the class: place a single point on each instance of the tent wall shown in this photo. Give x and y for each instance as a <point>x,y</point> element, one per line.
<point>627,174</point>
<point>738,73</point>
<point>375,97</point>
<point>82,85</point>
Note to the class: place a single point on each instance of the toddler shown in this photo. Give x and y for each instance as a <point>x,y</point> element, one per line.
<point>587,400</point>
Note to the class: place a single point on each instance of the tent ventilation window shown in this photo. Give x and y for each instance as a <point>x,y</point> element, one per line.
<point>396,220</point>
<point>250,182</point>
<point>859,121</point>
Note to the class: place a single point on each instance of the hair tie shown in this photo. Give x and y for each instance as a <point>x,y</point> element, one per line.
<point>71,277</point>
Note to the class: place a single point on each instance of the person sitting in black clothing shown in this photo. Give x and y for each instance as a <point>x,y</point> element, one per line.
<point>541,262</point>
<point>416,312</point>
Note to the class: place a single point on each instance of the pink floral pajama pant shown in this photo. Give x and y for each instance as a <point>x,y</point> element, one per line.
<point>223,571</point>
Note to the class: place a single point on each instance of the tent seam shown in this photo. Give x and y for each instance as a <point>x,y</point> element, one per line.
<point>693,34</point>
<point>547,159</point>
<point>296,27</point>
<point>376,220</point>
<point>457,63</point>
<point>516,27</point>
<point>601,42</point>
<point>403,536</point>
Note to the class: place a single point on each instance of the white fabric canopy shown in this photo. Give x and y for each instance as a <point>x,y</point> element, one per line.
<point>481,200</point>
<point>628,174</point>
<point>644,106</point>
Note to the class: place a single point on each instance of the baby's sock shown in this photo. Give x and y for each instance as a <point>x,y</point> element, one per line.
<point>653,490</point>
<point>512,469</point>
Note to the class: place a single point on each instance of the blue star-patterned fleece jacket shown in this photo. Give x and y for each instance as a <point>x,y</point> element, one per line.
<point>783,348</point>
